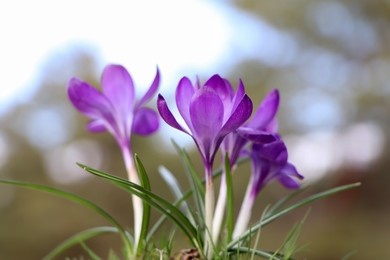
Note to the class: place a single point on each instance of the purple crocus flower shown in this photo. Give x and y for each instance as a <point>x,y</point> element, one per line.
<point>116,111</point>
<point>210,112</point>
<point>269,162</point>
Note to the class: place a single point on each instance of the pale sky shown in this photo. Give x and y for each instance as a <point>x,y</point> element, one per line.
<point>173,34</point>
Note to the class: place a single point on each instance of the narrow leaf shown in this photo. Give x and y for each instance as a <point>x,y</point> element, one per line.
<point>230,200</point>
<point>174,186</point>
<point>283,201</point>
<point>77,199</point>
<point>89,251</point>
<point>77,238</point>
<point>145,183</point>
<point>154,200</point>
<point>297,205</point>
<point>196,184</point>
<point>248,250</point>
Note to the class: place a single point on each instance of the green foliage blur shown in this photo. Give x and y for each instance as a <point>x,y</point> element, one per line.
<point>331,34</point>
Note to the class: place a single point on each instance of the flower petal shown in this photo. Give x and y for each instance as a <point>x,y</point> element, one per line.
<point>256,136</point>
<point>275,152</point>
<point>288,182</point>
<point>151,91</point>
<point>119,88</point>
<point>183,95</point>
<point>167,115</point>
<point>206,110</point>
<point>145,121</point>
<point>88,100</point>
<point>238,95</point>
<point>96,126</point>
<point>290,170</point>
<point>260,173</point>
<point>221,87</point>
<point>238,117</point>
<point>225,92</point>
<point>266,112</point>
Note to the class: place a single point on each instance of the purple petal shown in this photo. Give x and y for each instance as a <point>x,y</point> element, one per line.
<point>275,152</point>
<point>238,117</point>
<point>145,121</point>
<point>238,95</point>
<point>96,126</point>
<point>225,92</point>
<point>260,172</point>
<point>266,112</point>
<point>167,115</point>
<point>288,182</point>
<point>272,126</point>
<point>222,88</point>
<point>151,91</point>
<point>119,89</point>
<point>88,100</point>
<point>256,136</point>
<point>184,93</point>
<point>233,144</point>
<point>290,170</point>
<point>206,110</point>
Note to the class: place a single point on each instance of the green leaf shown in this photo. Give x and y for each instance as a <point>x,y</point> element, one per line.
<point>174,186</point>
<point>186,195</point>
<point>289,245</point>
<point>297,205</point>
<point>90,253</point>
<point>196,184</point>
<point>283,201</point>
<point>79,200</point>
<point>248,250</point>
<point>77,238</point>
<point>230,200</point>
<point>153,200</point>
<point>145,183</point>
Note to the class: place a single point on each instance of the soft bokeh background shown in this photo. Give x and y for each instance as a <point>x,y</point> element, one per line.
<point>330,60</point>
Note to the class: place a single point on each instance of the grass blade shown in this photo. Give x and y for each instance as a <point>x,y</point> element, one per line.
<point>283,201</point>
<point>90,253</point>
<point>154,200</point>
<point>230,200</point>
<point>283,212</point>
<point>79,200</point>
<point>145,183</point>
<point>289,246</point>
<point>196,184</point>
<point>78,238</point>
<point>248,250</point>
<point>174,186</point>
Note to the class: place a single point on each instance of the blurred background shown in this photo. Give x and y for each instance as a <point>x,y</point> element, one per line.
<point>329,59</point>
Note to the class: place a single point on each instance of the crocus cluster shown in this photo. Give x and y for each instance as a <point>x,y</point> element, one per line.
<point>216,117</point>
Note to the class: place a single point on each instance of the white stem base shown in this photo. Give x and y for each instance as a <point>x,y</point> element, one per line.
<point>244,215</point>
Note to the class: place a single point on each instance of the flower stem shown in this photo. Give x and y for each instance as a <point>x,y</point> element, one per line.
<point>219,209</point>
<point>245,212</point>
<point>137,202</point>
<point>209,212</point>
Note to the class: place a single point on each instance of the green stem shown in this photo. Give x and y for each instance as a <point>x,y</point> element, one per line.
<point>209,212</point>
